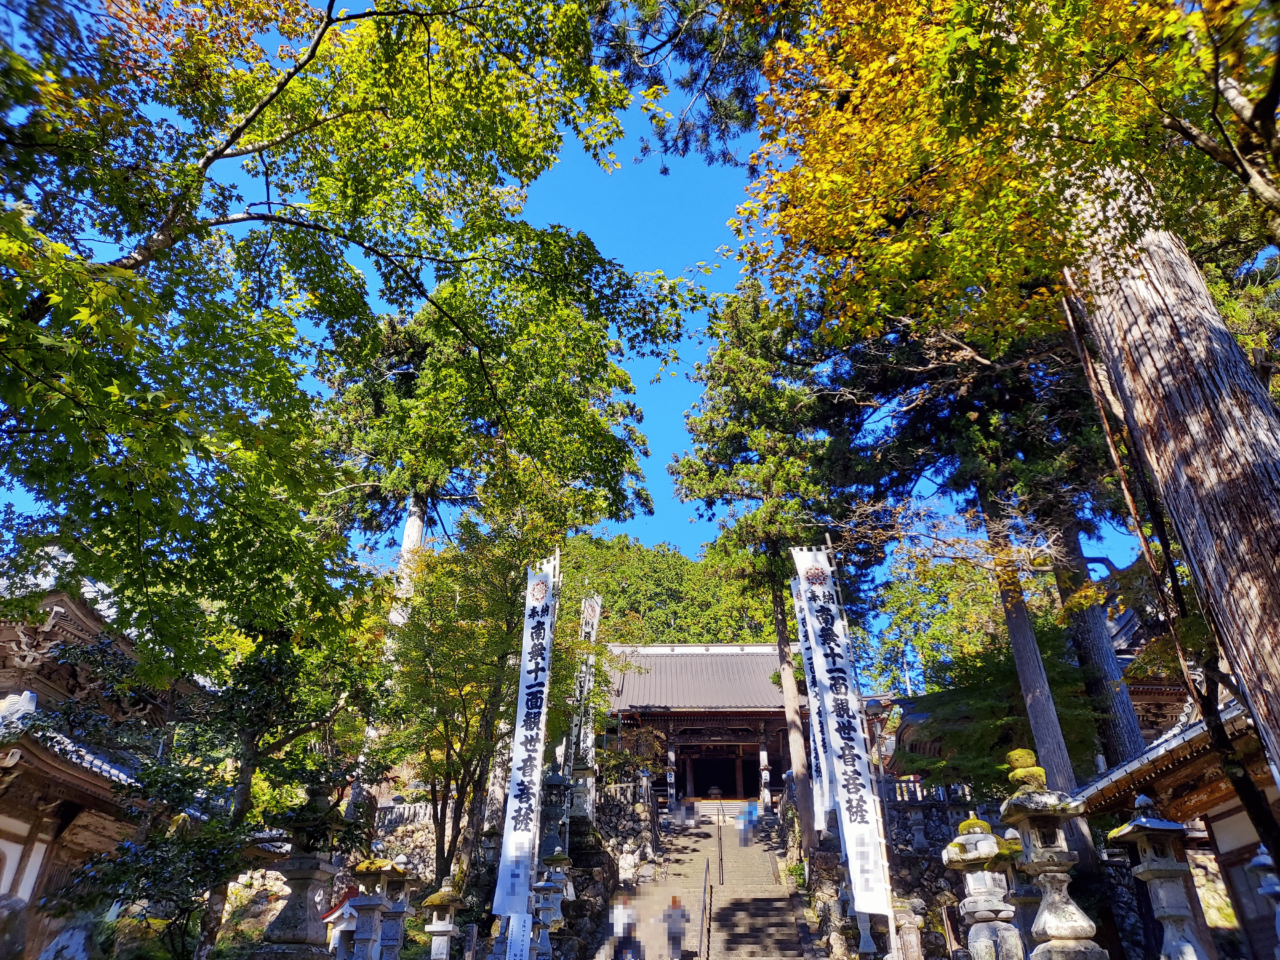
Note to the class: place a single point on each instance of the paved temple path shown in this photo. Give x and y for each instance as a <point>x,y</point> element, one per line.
<point>750,914</point>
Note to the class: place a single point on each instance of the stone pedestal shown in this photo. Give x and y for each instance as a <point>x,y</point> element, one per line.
<point>1061,929</point>
<point>298,932</point>
<point>391,937</point>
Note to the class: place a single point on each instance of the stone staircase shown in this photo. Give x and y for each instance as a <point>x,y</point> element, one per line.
<point>751,913</point>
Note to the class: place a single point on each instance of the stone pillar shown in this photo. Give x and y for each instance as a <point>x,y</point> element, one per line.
<point>298,931</point>
<point>866,945</point>
<point>391,938</point>
<point>978,854</point>
<point>737,778</point>
<point>1162,866</point>
<point>369,910</point>
<point>1061,928</point>
<point>909,917</point>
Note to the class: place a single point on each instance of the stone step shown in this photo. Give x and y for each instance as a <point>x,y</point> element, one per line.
<point>752,921</point>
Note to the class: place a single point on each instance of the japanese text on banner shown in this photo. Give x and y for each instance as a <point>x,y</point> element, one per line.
<point>855,792</point>
<point>524,795</point>
<point>819,747</point>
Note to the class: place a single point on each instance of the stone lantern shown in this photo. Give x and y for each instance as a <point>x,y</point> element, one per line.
<point>1061,929</point>
<point>382,907</point>
<point>555,795</point>
<point>298,931</point>
<point>557,864</point>
<point>977,853</point>
<point>546,908</point>
<point>1264,868</point>
<point>1162,866</point>
<point>443,905</point>
<point>490,841</point>
<point>584,775</point>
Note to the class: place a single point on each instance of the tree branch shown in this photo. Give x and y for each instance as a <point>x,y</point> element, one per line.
<point>314,725</point>
<point>290,134</point>
<point>1111,567</point>
<point>1202,142</point>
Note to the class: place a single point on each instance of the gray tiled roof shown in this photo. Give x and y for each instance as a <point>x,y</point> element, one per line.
<point>712,677</point>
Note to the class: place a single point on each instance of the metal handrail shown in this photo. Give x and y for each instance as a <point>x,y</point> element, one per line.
<point>704,921</point>
<point>720,842</point>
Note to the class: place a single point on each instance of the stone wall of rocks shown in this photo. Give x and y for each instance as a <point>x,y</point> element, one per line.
<point>919,824</point>
<point>625,825</point>
<point>1121,900</point>
<point>253,900</point>
<point>410,832</point>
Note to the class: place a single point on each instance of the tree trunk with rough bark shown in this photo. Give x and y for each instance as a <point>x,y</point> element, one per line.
<point>795,729</point>
<point>1210,434</point>
<point>1051,748</point>
<point>1117,721</point>
<point>216,905</point>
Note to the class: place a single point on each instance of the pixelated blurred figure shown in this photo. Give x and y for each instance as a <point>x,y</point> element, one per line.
<point>748,817</point>
<point>627,945</point>
<point>676,917</point>
<point>623,918</point>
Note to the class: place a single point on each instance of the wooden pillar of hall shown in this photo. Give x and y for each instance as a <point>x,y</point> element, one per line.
<point>688,776</point>
<point>737,776</point>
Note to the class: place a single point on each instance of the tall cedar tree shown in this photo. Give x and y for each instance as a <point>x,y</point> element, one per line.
<point>753,467</point>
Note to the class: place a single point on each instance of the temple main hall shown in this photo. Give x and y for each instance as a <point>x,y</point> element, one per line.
<point>711,711</point>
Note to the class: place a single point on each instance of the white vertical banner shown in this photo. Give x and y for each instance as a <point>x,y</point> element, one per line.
<point>819,746</point>
<point>860,836</point>
<point>524,794</point>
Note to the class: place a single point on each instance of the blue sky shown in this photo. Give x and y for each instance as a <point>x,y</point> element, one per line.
<point>647,221</point>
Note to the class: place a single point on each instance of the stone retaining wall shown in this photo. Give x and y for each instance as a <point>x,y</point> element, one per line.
<point>625,825</point>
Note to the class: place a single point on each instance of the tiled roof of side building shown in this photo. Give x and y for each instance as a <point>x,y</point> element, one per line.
<point>729,676</point>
